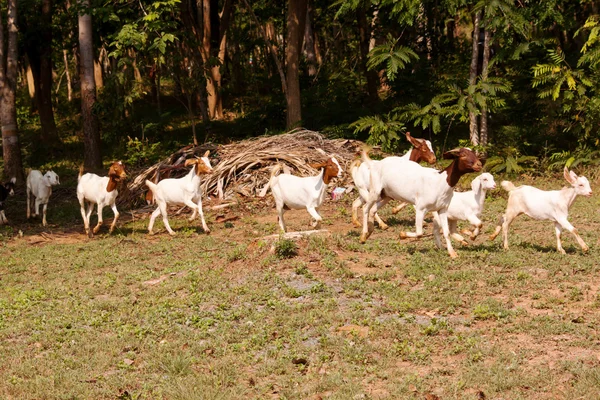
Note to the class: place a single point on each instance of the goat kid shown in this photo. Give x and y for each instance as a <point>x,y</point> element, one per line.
<point>40,187</point>
<point>100,190</point>
<point>468,206</point>
<point>294,193</point>
<point>7,189</point>
<point>421,151</point>
<point>181,191</point>
<point>552,205</point>
<point>428,189</point>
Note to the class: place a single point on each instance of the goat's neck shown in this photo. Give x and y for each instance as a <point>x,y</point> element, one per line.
<point>569,194</point>
<point>322,181</point>
<point>414,154</point>
<point>454,173</point>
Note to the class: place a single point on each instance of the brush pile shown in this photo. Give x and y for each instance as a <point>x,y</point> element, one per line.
<point>244,167</point>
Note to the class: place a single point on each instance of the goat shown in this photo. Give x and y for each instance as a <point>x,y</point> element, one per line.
<point>426,188</point>
<point>551,205</point>
<point>40,187</point>
<point>467,206</point>
<point>7,189</point>
<point>181,191</point>
<point>100,190</point>
<point>294,193</point>
<point>421,151</point>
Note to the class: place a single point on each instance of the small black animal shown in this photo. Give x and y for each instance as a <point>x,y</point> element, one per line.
<point>7,189</point>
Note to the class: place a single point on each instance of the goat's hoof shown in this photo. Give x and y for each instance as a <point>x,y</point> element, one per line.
<point>453,254</point>
<point>356,223</point>
<point>472,238</point>
<point>96,229</point>
<point>403,235</point>
<point>562,251</point>
<point>585,249</point>
<point>207,231</point>
<point>90,234</point>
<point>364,237</point>
<point>464,243</point>
<point>384,227</point>
<point>173,233</point>
<point>151,233</point>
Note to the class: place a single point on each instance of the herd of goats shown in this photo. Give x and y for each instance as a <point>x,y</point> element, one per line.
<point>377,182</point>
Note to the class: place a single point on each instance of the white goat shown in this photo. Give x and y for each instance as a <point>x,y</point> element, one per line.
<point>468,206</point>
<point>182,191</point>
<point>426,188</point>
<point>40,187</point>
<point>100,190</point>
<point>551,205</point>
<point>293,192</point>
<point>421,151</point>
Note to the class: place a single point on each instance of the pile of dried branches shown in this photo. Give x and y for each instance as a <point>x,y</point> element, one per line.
<point>244,167</point>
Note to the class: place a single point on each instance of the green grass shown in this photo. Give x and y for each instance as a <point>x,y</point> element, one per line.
<point>222,316</point>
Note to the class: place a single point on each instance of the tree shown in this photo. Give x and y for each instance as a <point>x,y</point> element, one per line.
<point>296,22</point>
<point>13,164</point>
<point>91,134</point>
<point>473,126</point>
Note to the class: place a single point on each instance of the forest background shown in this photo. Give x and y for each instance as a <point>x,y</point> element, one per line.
<point>136,80</point>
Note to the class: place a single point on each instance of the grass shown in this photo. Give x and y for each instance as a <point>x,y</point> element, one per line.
<point>221,316</point>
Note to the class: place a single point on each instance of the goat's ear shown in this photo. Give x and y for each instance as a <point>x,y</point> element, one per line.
<point>317,165</point>
<point>189,162</point>
<point>414,141</point>
<point>206,154</point>
<point>454,153</point>
<point>570,176</point>
<point>476,184</point>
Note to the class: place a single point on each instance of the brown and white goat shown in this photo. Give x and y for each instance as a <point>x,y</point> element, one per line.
<point>100,190</point>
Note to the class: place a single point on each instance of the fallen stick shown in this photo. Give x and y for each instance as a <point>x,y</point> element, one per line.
<point>220,206</point>
<point>296,235</point>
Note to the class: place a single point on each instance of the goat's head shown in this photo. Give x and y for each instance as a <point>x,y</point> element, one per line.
<point>52,178</point>
<point>202,164</point>
<point>10,186</point>
<point>117,171</point>
<point>332,169</point>
<point>465,158</point>
<point>422,150</point>
<point>580,183</point>
<point>484,181</point>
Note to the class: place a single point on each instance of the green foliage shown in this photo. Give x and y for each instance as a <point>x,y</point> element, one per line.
<point>509,160</point>
<point>394,56</point>
<point>285,248</point>
<point>142,152</point>
<point>383,132</point>
<point>582,155</point>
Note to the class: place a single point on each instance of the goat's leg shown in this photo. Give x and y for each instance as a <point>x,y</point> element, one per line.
<point>313,213</point>
<point>508,219</point>
<point>86,215</point>
<point>28,203</point>
<point>558,231</point>
<point>399,207</point>
<point>44,223</point>
<point>194,213</point>
<point>155,214</point>
<point>163,210</point>
<point>355,206</point>
<point>419,218</point>
<point>498,227</point>
<point>436,229</point>
<point>37,207</point>
<point>453,227</point>
<point>204,226</point>
<point>100,220</point>
<point>567,225</point>
<point>113,206</point>
<point>476,222</point>
<point>3,219</point>
<point>380,204</point>
<point>443,216</point>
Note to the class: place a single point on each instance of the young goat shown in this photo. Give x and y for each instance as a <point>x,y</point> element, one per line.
<point>40,187</point>
<point>8,189</point>
<point>182,191</point>
<point>101,191</point>
<point>421,151</point>
<point>539,204</point>
<point>467,206</point>
<point>426,188</point>
<point>293,192</point>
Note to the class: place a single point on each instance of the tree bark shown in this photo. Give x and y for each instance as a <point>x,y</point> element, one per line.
<point>364,31</point>
<point>295,35</point>
<point>91,134</point>
<point>483,134</point>
<point>473,130</point>
<point>309,43</point>
<point>68,73</point>
<point>11,149</point>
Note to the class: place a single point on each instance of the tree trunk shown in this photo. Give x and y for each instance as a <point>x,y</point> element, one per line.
<point>474,132</point>
<point>295,27</point>
<point>98,78</point>
<point>11,149</point>
<point>91,135</point>
<point>68,73</point>
<point>30,86</point>
<point>483,135</point>
<point>364,30</point>
<point>309,40</point>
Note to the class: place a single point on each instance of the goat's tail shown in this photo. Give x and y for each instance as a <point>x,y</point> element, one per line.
<point>274,172</point>
<point>80,172</point>
<point>354,167</point>
<point>151,185</point>
<point>508,186</point>
<point>364,154</point>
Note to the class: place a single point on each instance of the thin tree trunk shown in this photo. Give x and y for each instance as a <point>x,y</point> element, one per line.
<point>30,86</point>
<point>91,135</point>
<point>11,149</point>
<point>295,35</point>
<point>364,41</point>
<point>98,75</point>
<point>483,135</point>
<point>474,132</point>
<point>309,40</point>
<point>68,73</point>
